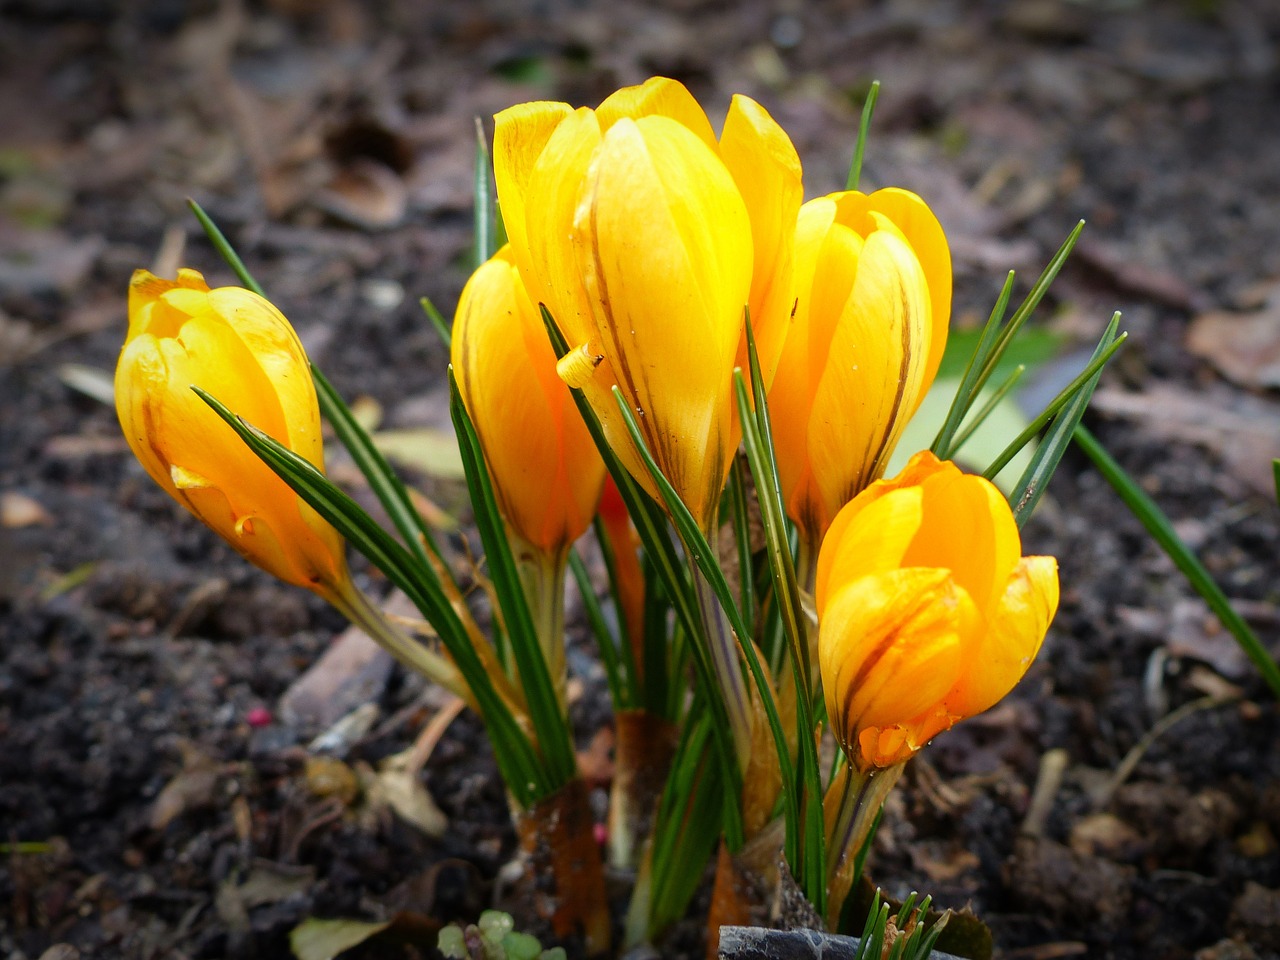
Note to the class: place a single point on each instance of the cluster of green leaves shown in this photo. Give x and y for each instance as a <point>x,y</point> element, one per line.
<point>493,937</point>
<point>911,938</point>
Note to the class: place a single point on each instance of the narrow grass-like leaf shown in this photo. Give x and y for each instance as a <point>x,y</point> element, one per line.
<point>993,401</point>
<point>1082,380</point>
<point>516,755</point>
<point>628,669</point>
<point>224,248</point>
<point>966,394</point>
<point>704,558</point>
<point>549,724</point>
<point>758,439</point>
<point>803,854</point>
<point>482,202</point>
<point>383,480</point>
<point>1275,465</point>
<point>1162,531</point>
<point>864,127</point>
<point>742,538</point>
<point>619,689</point>
<point>1028,306</point>
<point>443,327</point>
<point>1053,445</point>
<point>685,823</point>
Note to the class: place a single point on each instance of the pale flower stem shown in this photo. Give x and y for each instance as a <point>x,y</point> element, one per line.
<point>542,576</point>
<point>725,662</point>
<point>356,607</point>
<point>862,794</point>
<point>806,578</point>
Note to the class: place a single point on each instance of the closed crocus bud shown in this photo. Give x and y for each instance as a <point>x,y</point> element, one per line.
<point>546,471</point>
<point>647,239</point>
<point>928,612</point>
<point>873,283</point>
<point>241,350</point>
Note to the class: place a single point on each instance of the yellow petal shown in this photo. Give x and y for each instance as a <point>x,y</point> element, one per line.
<point>520,134</point>
<point>180,337</point>
<point>662,97</point>
<point>666,254</point>
<point>1012,638</point>
<point>549,264</point>
<point>791,395</point>
<point>968,528</point>
<point>278,352</point>
<point>867,537</point>
<point>763,162</point>
<point>875,371</point>
<point>545,469</point>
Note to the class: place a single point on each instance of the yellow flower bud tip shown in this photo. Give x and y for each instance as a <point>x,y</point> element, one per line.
<point>646,238</point>
<point>546,471</point>
<point>873,280</point>
<point>240,349</point>
<point>928,612</point>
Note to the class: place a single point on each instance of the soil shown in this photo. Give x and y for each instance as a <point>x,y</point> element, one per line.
<point>156,797</point>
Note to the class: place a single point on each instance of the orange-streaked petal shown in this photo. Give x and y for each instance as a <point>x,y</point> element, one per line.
<point>889,649</point>
<point>924,233</point>
<point>878,353</point>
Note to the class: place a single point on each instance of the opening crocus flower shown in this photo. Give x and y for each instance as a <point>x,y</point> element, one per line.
<point>647,238</point>
<point>928,612</point>
<point>241,349</point>
<point>873,282</point>
<point>546,471</point>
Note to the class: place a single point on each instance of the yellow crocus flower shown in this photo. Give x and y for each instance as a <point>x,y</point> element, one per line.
<point>873,282</point>
<point>239,348</point>
<point>546,472</point>
<point>646,238</point>
<point>928,612</point>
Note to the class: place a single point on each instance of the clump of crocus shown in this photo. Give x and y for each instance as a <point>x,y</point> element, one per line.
<point>647,239</point>
<point>873,287</point>
<point>241,349</point>
<point>928,613</point>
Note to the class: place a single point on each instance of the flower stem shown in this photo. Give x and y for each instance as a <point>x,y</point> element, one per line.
<point>359,609</point>
<point>542,576</point>
<point>723,647</point>
<point>853,800</point>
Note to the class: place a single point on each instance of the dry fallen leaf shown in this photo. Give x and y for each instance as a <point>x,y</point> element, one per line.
<point>1238,427</point>
<point>193,788</point>
<point>1245,347</point>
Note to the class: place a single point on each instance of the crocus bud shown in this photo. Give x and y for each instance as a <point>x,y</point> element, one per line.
<point>647,239</point>
<point>240,349</point>
<point>546,471</point>
<point>873,282</point>
<point>928,612</point>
